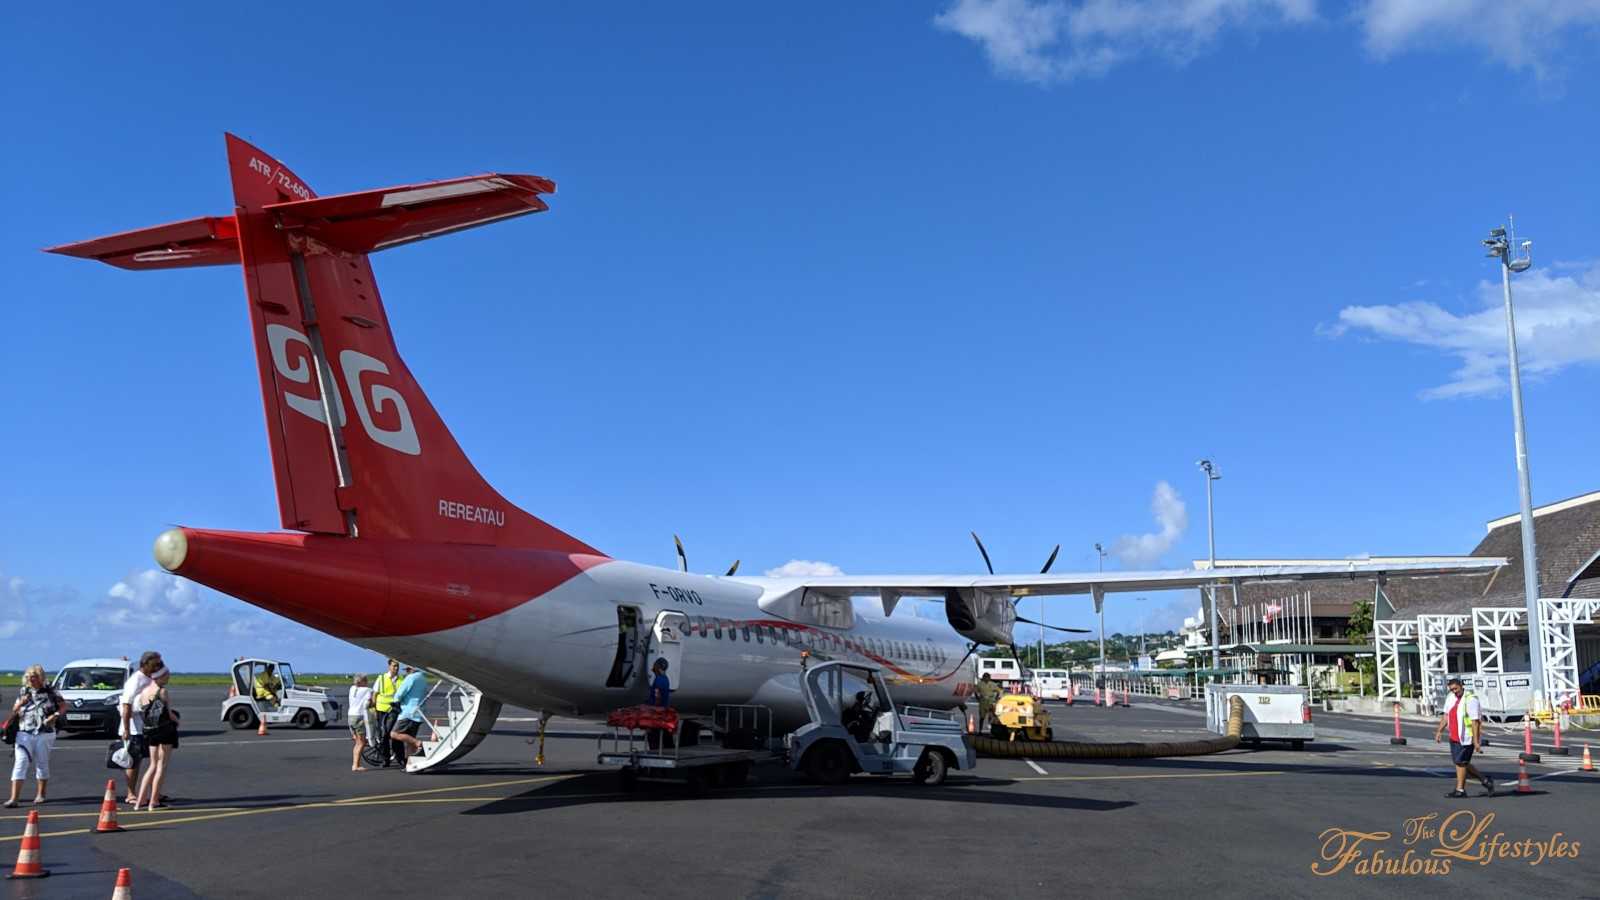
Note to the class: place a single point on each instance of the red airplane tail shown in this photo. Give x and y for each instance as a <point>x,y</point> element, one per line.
<point>357,448</point>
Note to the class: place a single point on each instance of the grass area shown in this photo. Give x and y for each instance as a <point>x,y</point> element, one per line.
<point>223,679</point>
<point>13,678</point>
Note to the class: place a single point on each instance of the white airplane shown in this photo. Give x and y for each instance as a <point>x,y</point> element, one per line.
<point>394,542</point>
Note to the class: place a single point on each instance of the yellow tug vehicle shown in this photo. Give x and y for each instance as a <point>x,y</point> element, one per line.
<point>1021,717</point>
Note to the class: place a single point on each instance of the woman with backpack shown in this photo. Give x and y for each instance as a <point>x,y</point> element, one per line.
<point>35,713</point>
<point>160,720</point>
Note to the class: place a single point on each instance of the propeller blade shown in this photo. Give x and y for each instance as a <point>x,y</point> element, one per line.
<point>683,560</point>
<point>1053,627</point>
<point>733,568</point>
<point>1051,561</point>
<point>985,553</point>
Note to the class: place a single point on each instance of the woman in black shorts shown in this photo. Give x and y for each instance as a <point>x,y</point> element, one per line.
<point>161,733</point>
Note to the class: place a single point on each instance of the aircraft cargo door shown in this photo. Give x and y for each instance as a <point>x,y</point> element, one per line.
<point>666,642</point>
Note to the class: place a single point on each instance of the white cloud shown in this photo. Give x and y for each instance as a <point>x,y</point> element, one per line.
<point>1050,41</point>
<point>149,599</point>
<point>1522,35</point>
<point>14,603</point>
<point>1169,616</point>
<point>1558,325</point>
<point>1055,40</point>
<point>798,568</point>
<point>1137,551</point>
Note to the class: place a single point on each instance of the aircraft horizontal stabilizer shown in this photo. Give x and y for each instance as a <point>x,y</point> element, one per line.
<point>204,241</point>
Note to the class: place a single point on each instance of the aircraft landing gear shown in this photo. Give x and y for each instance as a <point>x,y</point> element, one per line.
<point>538,756</point>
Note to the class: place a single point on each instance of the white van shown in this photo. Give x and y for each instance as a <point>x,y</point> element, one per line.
<point>92,689</point>
<point>999,668</point>
<point>1051,684</point>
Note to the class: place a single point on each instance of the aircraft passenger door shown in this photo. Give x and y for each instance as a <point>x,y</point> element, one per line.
<point>666,642</point>
<point>626,663</point>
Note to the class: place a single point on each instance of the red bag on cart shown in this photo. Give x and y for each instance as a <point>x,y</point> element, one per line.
<point>662,717</point>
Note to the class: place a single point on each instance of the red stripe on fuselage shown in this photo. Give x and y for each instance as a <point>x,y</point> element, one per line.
<point>365,588</point>
<point>856,645</point>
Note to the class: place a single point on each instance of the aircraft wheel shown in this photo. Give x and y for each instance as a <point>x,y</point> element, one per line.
<point>241,717</point>
<point>828,763</point>
<point>931,769</point>
<point>305,719</point>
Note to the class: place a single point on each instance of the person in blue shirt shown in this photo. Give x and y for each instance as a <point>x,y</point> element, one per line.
<point>408,698</point>
<point>660,695</point>
<point>660,685</point>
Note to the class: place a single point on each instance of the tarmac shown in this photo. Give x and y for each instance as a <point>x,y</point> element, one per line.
<point>283,815</point>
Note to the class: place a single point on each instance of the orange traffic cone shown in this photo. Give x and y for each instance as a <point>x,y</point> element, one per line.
<point>108,810</point>
<point>1588,764</point>
<point>972,723</point>
<point>1523,787</point>
<point>261,729</point>
<point>124,890</point>
<point>28,865</point>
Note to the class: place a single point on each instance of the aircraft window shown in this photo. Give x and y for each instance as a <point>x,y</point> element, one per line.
<point>761,637</point>
<point>746,630</point>
<point>719,629</point>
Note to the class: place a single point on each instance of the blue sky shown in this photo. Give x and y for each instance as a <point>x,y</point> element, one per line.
<point>835,283</point>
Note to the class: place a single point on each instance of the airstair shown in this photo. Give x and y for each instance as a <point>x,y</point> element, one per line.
<point>466,719</point>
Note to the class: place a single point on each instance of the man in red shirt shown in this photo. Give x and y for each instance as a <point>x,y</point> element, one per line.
<point>1464,719</point>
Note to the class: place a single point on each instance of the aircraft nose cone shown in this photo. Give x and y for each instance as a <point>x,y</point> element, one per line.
<point>171,549</point>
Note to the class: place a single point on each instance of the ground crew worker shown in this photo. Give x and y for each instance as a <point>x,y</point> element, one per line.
<point>1464,719</point>
<point>388,710</point>
<point>988,696</point>
<point>268,684</point>
<point>660,695</point>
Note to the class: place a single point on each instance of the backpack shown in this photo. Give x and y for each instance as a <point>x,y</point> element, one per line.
<point>153,712</point>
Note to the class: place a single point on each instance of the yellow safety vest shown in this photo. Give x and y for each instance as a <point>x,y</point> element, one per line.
<point>1460,712</point>
<point>383,697</point>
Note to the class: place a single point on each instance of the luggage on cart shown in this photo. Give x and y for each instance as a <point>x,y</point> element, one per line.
<point>664,718</point>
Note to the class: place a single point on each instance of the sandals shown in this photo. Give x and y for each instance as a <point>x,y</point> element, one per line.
<point>9,804</point>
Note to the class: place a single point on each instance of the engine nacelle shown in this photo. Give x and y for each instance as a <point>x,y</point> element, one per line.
<point>978,615</point>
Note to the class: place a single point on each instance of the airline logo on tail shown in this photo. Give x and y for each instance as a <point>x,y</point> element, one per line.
<point>402,438</point>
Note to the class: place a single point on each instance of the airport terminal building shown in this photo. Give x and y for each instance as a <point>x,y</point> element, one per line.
<point>1426,626</point>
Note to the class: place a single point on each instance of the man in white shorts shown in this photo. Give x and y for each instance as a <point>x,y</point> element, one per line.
<point>132,730</point>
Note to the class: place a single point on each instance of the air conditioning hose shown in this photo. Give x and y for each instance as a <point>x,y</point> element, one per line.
<point>988,746</point>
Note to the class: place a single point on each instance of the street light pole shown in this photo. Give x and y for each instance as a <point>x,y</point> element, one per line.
<point>1499,245</point>
<point>1101,550</point>
<point>1211,543</point>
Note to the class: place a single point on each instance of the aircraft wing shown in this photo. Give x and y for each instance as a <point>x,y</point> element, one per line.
<point>982,607</point>
<point>1061,583</point>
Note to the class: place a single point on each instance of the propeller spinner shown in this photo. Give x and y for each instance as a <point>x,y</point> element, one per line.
<point>1047,564</point>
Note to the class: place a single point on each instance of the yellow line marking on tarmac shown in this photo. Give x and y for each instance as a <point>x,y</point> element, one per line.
<point>460,787</point>
<point>177,817</point>
<point>121,813</point>
<point>1137,777</point>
